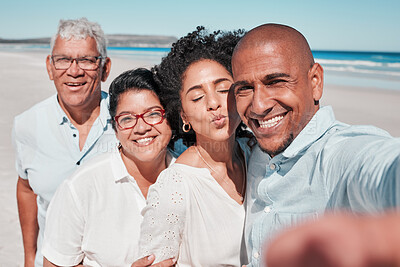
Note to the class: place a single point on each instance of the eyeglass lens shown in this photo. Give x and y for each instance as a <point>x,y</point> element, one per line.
<point>150,117</point>
<point>85,63</point>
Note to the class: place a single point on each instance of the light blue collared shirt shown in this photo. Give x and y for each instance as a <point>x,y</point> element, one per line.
<point>329,166</point>
<point>47,150</point>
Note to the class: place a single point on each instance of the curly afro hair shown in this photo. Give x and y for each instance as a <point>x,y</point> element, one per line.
<point>195,46</point>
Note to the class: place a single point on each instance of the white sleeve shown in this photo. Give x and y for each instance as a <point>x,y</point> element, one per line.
<point>164,217</point>
<point>18,153</point>
<point>64,228</point>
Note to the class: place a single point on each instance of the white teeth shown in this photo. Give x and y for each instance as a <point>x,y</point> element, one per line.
<point>144,141</point>
<point>271,122</point>
<point>74,84</point>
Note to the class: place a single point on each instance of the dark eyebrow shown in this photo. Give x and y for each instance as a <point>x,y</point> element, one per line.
<point>275,75</point>
<point>215,82</point>
<point>238,83</point>
<point>266,78</point>
<point>194,88</point>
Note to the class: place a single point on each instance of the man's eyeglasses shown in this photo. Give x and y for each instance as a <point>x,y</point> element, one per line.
<point>85,63</point>
<point>128,121</point>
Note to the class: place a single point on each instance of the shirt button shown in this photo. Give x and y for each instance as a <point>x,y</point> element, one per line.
<point>267,209</point>
<point>74,135</point>
<point>256,255</point>
<point>272,166</point>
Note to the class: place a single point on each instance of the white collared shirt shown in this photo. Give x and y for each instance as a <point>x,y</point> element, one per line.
<point>95,215</point>
<point>47,150</point>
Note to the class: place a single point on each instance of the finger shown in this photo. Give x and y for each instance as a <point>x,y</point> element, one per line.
<point>145,261</point>
<point>166,263</point>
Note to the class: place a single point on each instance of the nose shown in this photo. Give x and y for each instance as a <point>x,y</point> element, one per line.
<point>213,101</point>
<point>262,101</point>
<point>74,70</point>
<point>141,127</point>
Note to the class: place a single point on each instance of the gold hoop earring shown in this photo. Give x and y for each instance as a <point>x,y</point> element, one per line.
<point>186,127</point>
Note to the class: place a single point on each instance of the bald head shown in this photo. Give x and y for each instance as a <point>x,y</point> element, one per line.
<point>289,39</point>
<point>277,85</point>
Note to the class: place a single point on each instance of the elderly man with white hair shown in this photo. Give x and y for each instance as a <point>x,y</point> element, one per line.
<point>55,136</point>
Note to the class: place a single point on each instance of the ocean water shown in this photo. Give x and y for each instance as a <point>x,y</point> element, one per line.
<point>364,69</point>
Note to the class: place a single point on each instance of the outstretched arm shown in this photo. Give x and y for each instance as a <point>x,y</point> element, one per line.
<point>341,240</point>
<point>363,174</point>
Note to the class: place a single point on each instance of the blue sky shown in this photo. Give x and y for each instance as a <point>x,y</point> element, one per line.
<point>367,25</point>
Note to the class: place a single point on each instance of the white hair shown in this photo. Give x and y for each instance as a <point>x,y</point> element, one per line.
<point>81,29</point>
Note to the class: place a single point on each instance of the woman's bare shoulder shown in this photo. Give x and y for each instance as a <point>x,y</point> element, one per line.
<point>189,157</point>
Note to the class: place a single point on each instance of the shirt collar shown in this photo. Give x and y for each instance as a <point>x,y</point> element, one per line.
<point>60,114</point>
<point>104,116</point>
<point>316,127</point>
<point>119,169</point>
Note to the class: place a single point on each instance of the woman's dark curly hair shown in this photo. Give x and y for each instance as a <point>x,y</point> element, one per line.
<point>133,80</point>
<point>198,45</point>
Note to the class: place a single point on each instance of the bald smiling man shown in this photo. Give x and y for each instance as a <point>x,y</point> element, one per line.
<point>306,163</point>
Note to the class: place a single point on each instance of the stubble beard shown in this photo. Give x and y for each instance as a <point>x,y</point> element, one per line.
<point>285,144</point>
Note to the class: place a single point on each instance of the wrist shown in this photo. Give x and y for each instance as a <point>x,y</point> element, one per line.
<point>29,260</point>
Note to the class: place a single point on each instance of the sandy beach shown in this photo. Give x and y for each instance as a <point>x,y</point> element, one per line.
<point>24,82</point>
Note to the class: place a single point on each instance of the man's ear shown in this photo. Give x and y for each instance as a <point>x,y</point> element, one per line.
<point>106,69</point>
<point>316,76</point>
<point>49,67</point>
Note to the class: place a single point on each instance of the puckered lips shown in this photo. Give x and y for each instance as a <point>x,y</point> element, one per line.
<point>269,124</point>
<point>144,141</point>
<point>218,120</point>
